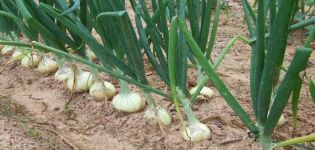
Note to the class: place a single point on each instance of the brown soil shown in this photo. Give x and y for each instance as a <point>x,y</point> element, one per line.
<point>37,112</point>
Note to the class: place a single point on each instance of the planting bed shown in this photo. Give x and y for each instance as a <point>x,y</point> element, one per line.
<point>37,112</point>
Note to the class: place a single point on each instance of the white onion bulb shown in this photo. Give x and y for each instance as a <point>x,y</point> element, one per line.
<point>102,90</point>
<point>63,73</point>
<point>205,93</point>
<point>80,81</point>
<point>158,114</point>
<point>195,132</point>
<point>31,60</point>
<point>47,65</point>
<point>90,54</point>
<point>281,121</point>
<point>163,116</point>
<point>7,49</point>
<point>128,102</point>
<point>17,55</point>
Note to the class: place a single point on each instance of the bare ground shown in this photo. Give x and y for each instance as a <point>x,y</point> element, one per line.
<point>37,112</point>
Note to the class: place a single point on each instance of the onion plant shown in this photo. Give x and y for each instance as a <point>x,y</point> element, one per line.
<point>171,48</point>
<point>119,39</point>
<point>11,30</point>
<point>267,58</point>
<point>33,22</point>
<point>288,85</point>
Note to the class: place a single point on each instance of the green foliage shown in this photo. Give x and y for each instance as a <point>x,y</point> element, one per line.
<point>312,89</point>
<point>62,25</point>
<point>267,58</point>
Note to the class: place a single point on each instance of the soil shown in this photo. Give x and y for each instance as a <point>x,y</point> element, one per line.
<point>37,112</point>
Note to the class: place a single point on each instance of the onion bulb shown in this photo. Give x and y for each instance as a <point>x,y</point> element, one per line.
<point>30,60</point>
<point>205,93</point>
<point>102,90</point>
<point>7,49</point>
<point>63,73</point>
<point>80,81</point>
<point>47,65</point>
<point>195,132</point>
<point>281,121</point>
<point>90,54</point>
<point>17,55</point>
<point>128,102</point>
<point>158,114</point>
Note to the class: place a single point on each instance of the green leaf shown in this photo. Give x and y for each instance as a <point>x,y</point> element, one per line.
<point>274,58</point>
<point>217,82</point>
<point>49,24</point>
<point>7,25</point>
<point>75,6</point>
<point>295,102</point>
<point>258,58</point>
<point>249,17</point>
<point>205,25</point>
<point>181,53</point>
<point>312,89</point>
<point>225,50</point>
<point>173,39</point>
<point>31,34</point>
<point>156,39</point>
<point>133,52</point>
<point>103,54</point>
<point>214,29</point>
<point>193,18</point>
<point>285,89</point>
<point>33,23</point>
<point>143,39</point>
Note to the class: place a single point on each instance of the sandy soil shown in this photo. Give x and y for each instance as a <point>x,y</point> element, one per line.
<point>37,112</point>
